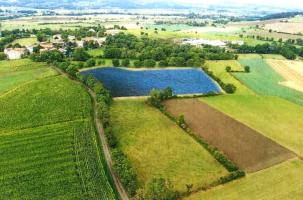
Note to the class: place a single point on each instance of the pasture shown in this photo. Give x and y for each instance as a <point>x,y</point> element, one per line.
<point>26,41</point>
<point>291,71</point>
<point>263,80</point>
<point>48,143</point>
<point>283,181</point>
<point>123,82</point>
<point>16,72</point>
<point>219,69</point>
<point>233,138</point>
<point>157,147</point>
<point>289,27</point>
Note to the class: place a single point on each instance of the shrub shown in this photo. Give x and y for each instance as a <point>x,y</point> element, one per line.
<point>125,63</point>
<point>181,122</point>
<point>116,62</point>
<point>247,69</point>
<point>149,63</point>
<point>157,96</point>
<point>80,55</point>
<point>160,189</point>
<point>101,62</point>
<point>230,88</point>
<point>163,63</point>
<point>90,62</point>
<point>228,69</point>
<point>3,56</point>
<point>138,63</point>
<point>125,171</point>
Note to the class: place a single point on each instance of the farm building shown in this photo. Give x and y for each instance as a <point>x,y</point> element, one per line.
<point>15,53</point>
<point>112,32</point>
<point>201,42</point>
<point>100,41</point>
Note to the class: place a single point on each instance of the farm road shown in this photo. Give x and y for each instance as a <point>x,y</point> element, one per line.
<point>106,151</point>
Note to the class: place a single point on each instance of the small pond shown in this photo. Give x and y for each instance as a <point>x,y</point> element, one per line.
<point>124,82</point>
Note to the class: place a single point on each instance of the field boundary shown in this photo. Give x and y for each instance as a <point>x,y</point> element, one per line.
<point>234,174</point>
<point>102,141</point>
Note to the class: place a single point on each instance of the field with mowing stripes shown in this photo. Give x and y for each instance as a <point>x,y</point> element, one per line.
<point>16,72</point>
<point>265,81</point>
<point>157,147</point>
<point>48,143</point>
<point>219,69</point>
<point>291,71</point>
<point>280,182</point>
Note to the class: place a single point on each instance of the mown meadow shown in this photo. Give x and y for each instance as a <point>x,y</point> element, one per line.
<point>48,142</point>
<point>283,181</point>
<point>265,81</point>
<point>158,148</point>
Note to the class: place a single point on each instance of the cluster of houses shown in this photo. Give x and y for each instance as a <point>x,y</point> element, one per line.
<point>55,43</point>
<point>201,42</point>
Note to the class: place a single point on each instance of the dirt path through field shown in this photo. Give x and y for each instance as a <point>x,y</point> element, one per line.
<point>250,150</point>
<point>106,151</point>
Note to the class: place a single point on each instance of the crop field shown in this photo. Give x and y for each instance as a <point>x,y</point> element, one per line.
<point>291,71</point>
<point>16,72</point>
<point>203,35</point>
<point>280,182</point>
<point>235,139</point>
<point>275,118</point>
<point>264,80</point>
<point>26,41</point>
<point>157,147</point>
<point>48,143</point>
<point>123,82</point>
<point>289,27</point>
<point>219,69</point>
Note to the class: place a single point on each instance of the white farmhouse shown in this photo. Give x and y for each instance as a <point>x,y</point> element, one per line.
<point>201,42</point>
<point>15,53</point>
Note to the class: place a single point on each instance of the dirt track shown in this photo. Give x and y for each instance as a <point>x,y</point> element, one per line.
<point>250,150</point>
<point>106,151</point>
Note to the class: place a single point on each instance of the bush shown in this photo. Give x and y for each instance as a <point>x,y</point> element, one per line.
<point>80,55</point>
<point>125,63</point>
<point>138,63</point>
<point>163,63</point>
<point>181,122</point>
<point>116,62</point>
<point>247,69</point>
<point>3,56</point>
<point>230,88</point>
<point>149,63</point>
<point>90,62</point>
<point>228,69</point>
<point>157,96</point>
<point>160,189</point>
<point>101,62</point>
<point>125,172</point>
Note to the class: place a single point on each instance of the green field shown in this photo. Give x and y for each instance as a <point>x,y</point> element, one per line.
<point>16,72</point>
<point>26,41</point>
<point>178,35</point>
<point>265,81</point>
<point>280,182</point>
<point>158,148</point>
<point>48,143</point>
<point>219,69</point>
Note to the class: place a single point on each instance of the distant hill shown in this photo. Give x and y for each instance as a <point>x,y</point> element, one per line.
<point>74,4</point>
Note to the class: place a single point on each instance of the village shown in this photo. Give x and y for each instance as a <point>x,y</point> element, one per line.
<point>56,42</point>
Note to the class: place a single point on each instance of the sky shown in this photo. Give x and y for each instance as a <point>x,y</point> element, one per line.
<point>279,3</point>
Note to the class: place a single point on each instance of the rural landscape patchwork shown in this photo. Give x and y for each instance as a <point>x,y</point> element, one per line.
<point>151,100</point>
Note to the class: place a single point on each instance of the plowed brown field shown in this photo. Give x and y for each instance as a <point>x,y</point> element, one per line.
<point>250,150</point>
